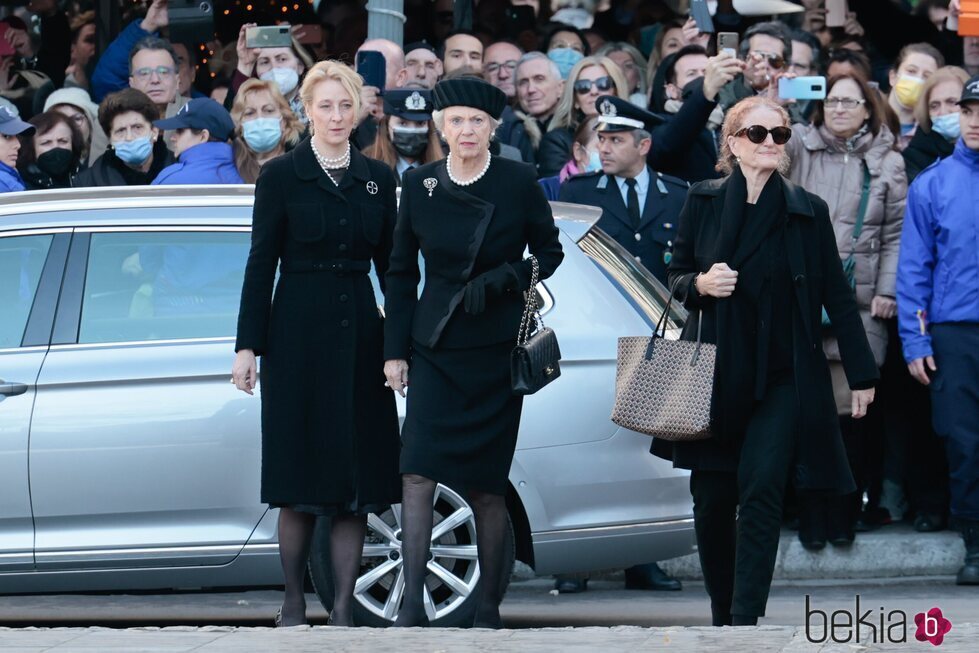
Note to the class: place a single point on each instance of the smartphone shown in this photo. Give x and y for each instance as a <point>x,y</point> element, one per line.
<point>836,11</point>
<point>269,36</point>
<point>372,67</point>
<point>727,42</point>
<point>701,15</point>
<point>519,19</point>
<point>802,88</point>
<point>312,34</point>
<point>191,21</point>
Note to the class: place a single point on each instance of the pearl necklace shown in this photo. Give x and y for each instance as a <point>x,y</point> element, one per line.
<point>448,169</point>
<point>332,164</point>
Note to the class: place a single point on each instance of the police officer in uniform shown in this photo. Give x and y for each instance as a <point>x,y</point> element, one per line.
<point>640,207</point>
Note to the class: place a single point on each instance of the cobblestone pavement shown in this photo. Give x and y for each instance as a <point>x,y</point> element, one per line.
<point>306,639</point>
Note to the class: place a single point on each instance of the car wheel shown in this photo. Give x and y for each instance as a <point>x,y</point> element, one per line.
<point>453,571</point>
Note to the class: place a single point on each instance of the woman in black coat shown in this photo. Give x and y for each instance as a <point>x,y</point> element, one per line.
<point>330,446</point>
<point>471,216</point>
<point>756,260</point>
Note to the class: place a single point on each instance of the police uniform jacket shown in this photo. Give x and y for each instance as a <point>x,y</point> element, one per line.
<point>463,232</point>
<point>652,242</point>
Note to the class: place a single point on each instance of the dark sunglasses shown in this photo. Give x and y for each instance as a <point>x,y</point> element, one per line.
<point>774,60</point>
<point>582,86</point>
<point>757,134</point>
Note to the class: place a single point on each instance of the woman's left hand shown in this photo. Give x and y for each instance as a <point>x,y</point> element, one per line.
<point>860,401</point>
<point>883,307</point>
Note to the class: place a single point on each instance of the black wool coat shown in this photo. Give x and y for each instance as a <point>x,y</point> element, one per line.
<point>329,426</point>
<point>462,233</point>
<point>817,281</point>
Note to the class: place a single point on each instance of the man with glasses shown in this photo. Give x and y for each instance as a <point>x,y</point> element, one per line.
<point>500,66</point>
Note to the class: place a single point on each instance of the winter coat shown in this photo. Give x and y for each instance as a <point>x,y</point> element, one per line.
<point>925,148</point>
<point>10,180</point>
<point>207,163</point>
<point>833,170</point>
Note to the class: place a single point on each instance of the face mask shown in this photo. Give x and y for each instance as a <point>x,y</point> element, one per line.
<point>410,142</point>
<point>594,162</point>
<point>56,162</point>
<point>262,134</point>
<point>134,152</point>
<point>286,79</point>
<point>908,90</point>
<point>565,58</point>
<point>947,126</point>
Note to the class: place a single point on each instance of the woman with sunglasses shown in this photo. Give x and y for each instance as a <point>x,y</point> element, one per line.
<point>847,156</point>
<point>590,78</point>
<point>754,262</point>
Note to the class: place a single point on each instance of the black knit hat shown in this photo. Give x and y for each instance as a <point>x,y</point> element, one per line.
<point>469,92</point>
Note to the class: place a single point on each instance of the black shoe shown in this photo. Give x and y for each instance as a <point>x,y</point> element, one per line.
<point>650,577</point>
<point>812,524</point>
<point>929,522</point>
<point>570,584</point>
<point>969,573</point>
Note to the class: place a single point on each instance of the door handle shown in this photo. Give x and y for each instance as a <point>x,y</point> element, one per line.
<point>12,389</point>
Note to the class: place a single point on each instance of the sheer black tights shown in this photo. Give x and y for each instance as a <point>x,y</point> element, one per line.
<point>491,523</point>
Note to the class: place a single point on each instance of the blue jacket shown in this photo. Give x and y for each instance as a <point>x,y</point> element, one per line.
<point>207,163</point>
<point>111,74</point>
<point>938,269</point>
<point>10,180</point>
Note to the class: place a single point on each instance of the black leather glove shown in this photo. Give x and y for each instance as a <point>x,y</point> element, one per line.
<point>489,284</point>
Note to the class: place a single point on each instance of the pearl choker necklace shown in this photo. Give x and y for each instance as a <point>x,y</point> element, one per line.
<point>332,164</point>
<point>448,169</point>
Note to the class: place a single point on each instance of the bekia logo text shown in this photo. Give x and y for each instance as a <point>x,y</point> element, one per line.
<point>873,626</point>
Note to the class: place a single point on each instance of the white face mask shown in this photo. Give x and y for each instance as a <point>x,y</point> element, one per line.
<point>287,79</point>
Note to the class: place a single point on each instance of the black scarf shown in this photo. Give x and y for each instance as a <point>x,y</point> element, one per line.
<point>749,242</point>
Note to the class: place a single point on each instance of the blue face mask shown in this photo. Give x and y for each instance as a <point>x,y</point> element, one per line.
<point>134,152</point>
<point>262,134</point>
<point>565,58</point>
<point>594,162</point>
<point>947,126</point>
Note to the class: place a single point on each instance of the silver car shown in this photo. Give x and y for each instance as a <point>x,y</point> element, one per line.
<point>128,460</point>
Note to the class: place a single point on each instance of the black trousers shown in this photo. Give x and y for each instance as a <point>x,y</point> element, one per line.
<point>737,516</point>
<point>955,399</point>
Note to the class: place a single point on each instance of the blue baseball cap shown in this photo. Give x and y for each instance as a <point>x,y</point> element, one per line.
<point>11,124</point>
<point>201,113</point>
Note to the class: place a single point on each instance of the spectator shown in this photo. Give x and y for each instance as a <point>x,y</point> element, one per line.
<point>186,70</point>
<point>423,68</point>
<point>220,87</point>
<point>462,49</point>
<point>914,65</point>
<point>52,154</point>
<point>500,66</point>
<point>406,137</point>
<point>18,84</point>
<point>590,78</point>
<point>539,87</point>
<point>566,46</point>
<point>136,153</point>
<point>200,143</point>
<point>633,66</point>
<point>394,58</point>
<point>82,50</point>
<point>75,103</point>
<point>847,157</point>
<point>282,66</point>
<point>939,313</point>
<point>265,127</point>
<point>686,89</point>
<point>846,62</point>
<point>11,129</point>
<point>806,54</point>
<point>766,50</point>
<point>970,54</point>
<point>53,52</point>
<point>673,35</point>
<point>937,115</point>
<point>585,157</point>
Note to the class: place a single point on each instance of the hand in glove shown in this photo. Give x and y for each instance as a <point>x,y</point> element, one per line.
<point>489,284</point>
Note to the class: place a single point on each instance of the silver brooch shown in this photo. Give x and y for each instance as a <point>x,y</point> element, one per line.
<point>372,188</point>
<point>430,183</point>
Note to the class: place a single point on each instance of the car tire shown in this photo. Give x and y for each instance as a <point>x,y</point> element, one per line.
<point>453,586</point>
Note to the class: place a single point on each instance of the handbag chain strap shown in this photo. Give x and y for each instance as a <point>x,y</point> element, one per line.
<point>531,313</point>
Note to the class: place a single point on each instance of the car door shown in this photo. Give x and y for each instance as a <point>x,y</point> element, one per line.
<point>142,452</point>
<point>31,266</point>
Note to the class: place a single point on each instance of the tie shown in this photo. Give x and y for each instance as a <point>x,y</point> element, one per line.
<point>633,204</point>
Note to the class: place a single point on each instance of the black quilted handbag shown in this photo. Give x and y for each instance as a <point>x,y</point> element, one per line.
<point>535,361</point>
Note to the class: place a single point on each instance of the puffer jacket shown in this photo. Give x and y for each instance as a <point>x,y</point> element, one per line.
<point>833,169</point>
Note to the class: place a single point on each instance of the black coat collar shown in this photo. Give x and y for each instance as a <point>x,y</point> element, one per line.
<point>797,201</point>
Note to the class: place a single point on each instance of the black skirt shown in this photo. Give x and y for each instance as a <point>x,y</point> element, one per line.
<point>462,417</point>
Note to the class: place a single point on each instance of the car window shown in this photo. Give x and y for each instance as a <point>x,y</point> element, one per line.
<point>162,286</point>
<point>640,288</point>
<point>21,261</point>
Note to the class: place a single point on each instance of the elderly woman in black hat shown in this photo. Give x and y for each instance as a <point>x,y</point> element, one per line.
<point>406,135</point>
<point>471,216</point>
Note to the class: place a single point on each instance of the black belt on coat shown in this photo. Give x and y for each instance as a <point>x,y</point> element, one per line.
<point>337,267</point>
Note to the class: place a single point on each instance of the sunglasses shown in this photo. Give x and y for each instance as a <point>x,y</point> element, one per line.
<point>757,134</point>
<point>583,86</point>
<point>774,60</point>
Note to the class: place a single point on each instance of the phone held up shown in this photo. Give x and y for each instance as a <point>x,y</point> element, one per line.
<point>802,88</point>
<point>701,15</point>
<point>727,42</point>
<point>269,36</point>
<point>372,67</point>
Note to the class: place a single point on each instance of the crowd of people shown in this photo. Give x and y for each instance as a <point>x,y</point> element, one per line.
<point>631,107</point>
